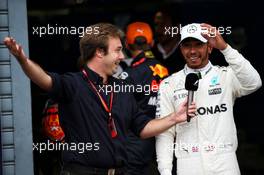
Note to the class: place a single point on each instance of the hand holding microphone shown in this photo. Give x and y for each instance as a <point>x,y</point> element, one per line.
<point>191,84</point>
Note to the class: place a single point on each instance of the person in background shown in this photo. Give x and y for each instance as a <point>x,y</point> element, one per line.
<point>167,41</point>
<point>145,71</point>
<point>167,38</point>
<point>50,162</point>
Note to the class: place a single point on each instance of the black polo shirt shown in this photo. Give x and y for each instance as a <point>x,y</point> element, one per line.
<point>143,72</point>
<point>84,119</point>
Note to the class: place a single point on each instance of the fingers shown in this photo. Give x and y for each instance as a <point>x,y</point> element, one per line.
<point>192,106</point>
<point>206,25</point>
<point>191,115</point>
<point>184,103</point>
<point>10,43</point>
<point>6,39</point>
<point>213,36</point>
<point>9,40</point>
<point>14,48</point>
<point>209,31</point>
<point>192,110</point>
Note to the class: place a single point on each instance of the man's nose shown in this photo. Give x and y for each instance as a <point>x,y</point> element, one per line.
<point>122,56</point>
<point>192,49</point>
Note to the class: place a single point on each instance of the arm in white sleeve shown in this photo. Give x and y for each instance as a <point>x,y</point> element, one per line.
<point>165,141</point>
<point>247,79</point>
<point>164,150</point>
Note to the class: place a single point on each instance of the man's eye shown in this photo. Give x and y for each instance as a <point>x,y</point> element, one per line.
<point>186,45</point>
<point>199,44</point>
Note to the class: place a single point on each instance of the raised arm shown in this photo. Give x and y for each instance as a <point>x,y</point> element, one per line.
<point>247,79</point>
<point>31,69</point>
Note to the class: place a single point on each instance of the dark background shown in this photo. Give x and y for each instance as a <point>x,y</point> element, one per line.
<point>59,53</point>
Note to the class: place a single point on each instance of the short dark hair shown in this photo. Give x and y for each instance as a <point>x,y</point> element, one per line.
<point>97,39</point>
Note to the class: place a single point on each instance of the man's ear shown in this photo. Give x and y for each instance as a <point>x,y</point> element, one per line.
<point>210,48</point>
<point>99,53</point>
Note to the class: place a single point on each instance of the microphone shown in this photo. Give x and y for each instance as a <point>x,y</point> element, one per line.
<point>191,84</point>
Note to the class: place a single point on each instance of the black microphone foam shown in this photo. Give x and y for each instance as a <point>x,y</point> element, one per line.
<point>191,82</point>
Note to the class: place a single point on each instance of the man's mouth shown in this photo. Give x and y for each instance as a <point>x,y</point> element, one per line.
<point>194,58</point>
<point>117,63</point>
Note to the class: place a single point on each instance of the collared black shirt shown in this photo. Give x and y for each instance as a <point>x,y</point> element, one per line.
<point>144,71</point>
<point>84,119</point>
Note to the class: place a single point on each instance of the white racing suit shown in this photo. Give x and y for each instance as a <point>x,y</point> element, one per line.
<point>207,144</point>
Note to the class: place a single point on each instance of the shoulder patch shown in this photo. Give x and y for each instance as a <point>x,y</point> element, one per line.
<point>159,70</point>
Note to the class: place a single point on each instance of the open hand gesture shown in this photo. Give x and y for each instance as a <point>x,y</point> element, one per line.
<point>15,49</point>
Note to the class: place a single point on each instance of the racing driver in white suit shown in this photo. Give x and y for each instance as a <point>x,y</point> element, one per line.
<point>207,144</point>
